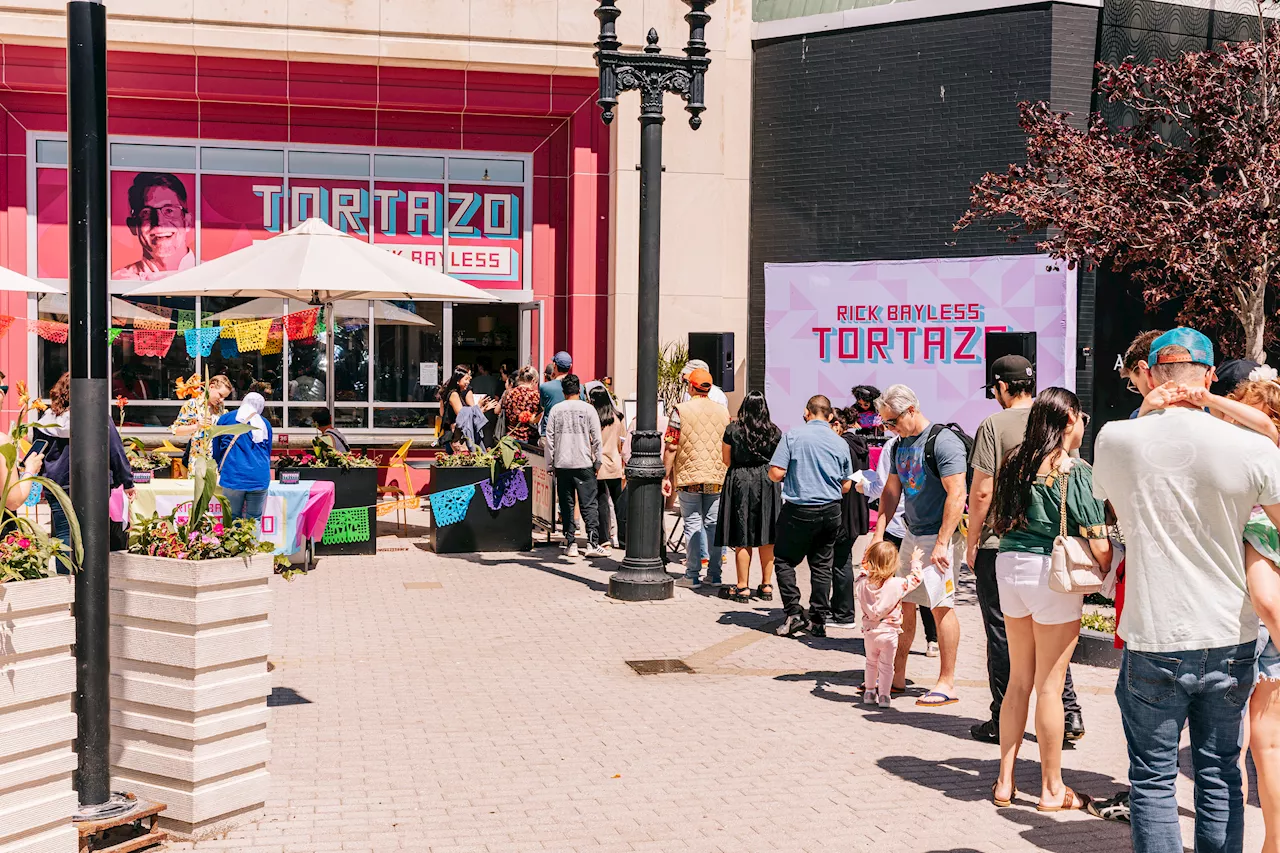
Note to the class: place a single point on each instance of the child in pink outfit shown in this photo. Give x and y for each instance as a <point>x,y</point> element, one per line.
<point>880,597</point>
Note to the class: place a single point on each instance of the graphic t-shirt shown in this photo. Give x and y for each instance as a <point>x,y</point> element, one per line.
<point>923,493</point>
<point>1183,484</point>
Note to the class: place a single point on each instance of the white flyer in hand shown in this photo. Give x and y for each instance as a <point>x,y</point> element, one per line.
<point>938,585</point>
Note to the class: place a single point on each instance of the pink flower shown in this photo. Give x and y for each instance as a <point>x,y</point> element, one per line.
<point>217,528</point>
<point>10,539</point>
<point>24,543</point>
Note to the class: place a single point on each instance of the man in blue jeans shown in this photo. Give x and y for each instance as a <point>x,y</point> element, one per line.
<point>694,460</point>
<point>1182,484</point>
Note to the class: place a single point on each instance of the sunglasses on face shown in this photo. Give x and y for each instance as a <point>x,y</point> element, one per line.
<point>1131,388</point>
<point>893,422</point>
<point>169,214</point>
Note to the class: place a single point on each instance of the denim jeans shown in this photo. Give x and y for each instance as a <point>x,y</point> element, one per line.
<point>241,504</point>
<point>579,483</point>
<point>700,513</point>
<point>1158,694</point>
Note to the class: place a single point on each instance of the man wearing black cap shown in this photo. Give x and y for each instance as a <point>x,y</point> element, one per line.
<point>1014,390</point>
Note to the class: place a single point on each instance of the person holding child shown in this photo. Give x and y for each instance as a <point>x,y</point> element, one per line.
<point>880,596</point>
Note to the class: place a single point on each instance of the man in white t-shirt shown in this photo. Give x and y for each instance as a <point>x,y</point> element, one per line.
<point>1182,484</point>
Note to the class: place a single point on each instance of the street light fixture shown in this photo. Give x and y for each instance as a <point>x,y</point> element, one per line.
<point>643,576</point>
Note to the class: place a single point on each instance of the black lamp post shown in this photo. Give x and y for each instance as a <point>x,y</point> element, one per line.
<point>90,393</point>
<point>643,576</point>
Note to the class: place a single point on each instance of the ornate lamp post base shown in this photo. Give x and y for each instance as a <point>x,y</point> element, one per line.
<point>643,576</point>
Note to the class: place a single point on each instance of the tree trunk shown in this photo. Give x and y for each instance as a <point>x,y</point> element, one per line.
<point>1254,320</point>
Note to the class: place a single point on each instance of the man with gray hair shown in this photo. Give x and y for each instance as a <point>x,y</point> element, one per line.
<point>928,472</point>
<point>717,394</point>
<point>1182,484</point>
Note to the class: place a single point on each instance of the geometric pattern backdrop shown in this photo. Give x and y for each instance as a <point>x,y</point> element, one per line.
<point>831,326</point>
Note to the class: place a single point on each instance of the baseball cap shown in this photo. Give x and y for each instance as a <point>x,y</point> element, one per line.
<point>1199,348</point>
<point>1011,368</point>
<point>562,360</point>
<point>1230,374</point>
<point>700,380</point>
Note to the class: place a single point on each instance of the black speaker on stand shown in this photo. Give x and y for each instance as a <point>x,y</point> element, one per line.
<point>1008,343</point>
<point>716,349</point>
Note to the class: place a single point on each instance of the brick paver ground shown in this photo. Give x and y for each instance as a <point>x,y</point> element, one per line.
<point>496,713</point>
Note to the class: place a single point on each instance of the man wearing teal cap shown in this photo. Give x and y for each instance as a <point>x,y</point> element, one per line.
<point>1182,484</point>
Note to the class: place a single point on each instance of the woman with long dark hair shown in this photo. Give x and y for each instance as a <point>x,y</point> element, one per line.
<point>609,475</point>
<point>455,395</point>
<point>1043,625</point>
<point>749,501</point>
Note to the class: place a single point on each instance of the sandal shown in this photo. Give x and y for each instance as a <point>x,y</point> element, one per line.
<point>762,595</point>
<point>1070,802</point>
<point>740,594</point>
<point>1002,804</point>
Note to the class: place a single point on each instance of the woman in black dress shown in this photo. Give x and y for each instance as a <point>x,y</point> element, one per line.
<point>749,500</point>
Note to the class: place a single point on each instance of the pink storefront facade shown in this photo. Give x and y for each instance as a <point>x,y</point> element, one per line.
<point>501,179</point>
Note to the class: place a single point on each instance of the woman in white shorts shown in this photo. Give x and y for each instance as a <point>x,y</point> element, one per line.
<point>1043,626</point>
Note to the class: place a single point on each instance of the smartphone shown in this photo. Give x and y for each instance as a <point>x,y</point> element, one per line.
<point>38,446</point>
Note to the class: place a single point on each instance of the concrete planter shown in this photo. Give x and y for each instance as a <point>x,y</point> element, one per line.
<point>37,717</point>
<point>1096,649</point>
<point>189,687</point>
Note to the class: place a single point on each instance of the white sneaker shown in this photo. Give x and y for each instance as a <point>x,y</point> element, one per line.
<point>597,551</point>
<point>868,697</point>
<point>572,550</point>
<point>884,702</point>
<point>931,651</point>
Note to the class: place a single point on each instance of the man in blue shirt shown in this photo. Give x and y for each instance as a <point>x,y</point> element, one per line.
<point>935,491</point>
<point>551,392</point>
<point>815,470</point>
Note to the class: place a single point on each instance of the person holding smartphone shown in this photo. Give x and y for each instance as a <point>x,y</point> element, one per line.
<point>19,475</point>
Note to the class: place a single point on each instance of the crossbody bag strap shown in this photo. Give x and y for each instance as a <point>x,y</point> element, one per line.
<point>1062,510</point>
<point>236,438</point>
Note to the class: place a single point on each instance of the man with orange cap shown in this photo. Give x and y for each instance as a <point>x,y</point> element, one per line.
<point>695,469</point>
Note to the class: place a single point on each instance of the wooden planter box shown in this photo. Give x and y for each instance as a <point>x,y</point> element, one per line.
<point>37,716</point>
<point>189,687</point>
<point>507,529</point>
<point>353,487</point>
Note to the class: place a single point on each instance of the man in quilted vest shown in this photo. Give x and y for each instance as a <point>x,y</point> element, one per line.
<point>696,469</point>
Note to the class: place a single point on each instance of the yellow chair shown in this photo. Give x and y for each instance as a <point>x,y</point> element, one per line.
<point>403,496</point>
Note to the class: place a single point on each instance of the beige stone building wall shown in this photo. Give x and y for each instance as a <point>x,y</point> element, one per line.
<point>705,188</point>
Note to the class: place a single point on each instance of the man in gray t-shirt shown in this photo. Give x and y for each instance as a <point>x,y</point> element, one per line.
<point>935,504</point>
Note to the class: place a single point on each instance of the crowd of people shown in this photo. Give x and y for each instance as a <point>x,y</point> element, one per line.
<point>1175,520</point>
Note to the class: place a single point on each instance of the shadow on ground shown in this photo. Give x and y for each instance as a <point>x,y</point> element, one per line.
<point>969,780</point>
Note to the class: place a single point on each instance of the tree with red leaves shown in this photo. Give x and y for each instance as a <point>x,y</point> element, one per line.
<point>1185,201</point>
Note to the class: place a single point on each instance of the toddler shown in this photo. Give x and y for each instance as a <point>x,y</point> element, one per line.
<point>880,597</point>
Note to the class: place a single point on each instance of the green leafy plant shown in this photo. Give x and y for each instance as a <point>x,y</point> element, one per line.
<point>141,459</point>
<point>200,538</point>
<point>27,552</point>
<point>1099,622</point>
<point>324,455</point>
<point>672,359</point>
<point>504,456</point>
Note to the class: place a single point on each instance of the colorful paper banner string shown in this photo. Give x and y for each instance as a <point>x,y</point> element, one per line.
<point>186,320</point>
<point>34,497</point>
<point>347,525</point>
<point>274,344</point>
<point>51,331</point>
<point>450,507</point>
<point>509,489</point>
<point>229,348</point>
<point>388,507</point>
<point>157,324</point>
<point>5,322</point>
<point>253,335</point>
<point>200,341</point>
<point>162,310</point>
<point>113,333</point>
<point>301,324</point>
<point>153,341</point>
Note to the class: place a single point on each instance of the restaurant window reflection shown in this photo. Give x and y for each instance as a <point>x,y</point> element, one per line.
<point>257,370</point>
<point>409,350</point>
<point>147,377</point>
<point>308,375</point>
<point>351,351</point>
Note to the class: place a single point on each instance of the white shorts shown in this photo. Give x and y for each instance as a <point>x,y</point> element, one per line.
<point>920,595</point>
<point>1023,580</point>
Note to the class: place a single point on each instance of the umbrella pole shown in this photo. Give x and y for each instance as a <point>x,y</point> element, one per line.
<point>330,376</point>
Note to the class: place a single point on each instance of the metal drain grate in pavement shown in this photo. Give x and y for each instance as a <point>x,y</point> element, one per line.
<point>658,667</point>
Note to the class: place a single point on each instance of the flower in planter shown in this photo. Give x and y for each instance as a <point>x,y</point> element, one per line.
<point>202,538</point>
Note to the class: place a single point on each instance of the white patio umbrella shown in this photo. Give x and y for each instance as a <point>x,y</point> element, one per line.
<point>18,283</point>
<point>59,303</point>
<point>384,313</point>
<point>317,263</point>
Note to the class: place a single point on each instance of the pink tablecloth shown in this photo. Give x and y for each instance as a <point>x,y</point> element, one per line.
<point>315,515</point>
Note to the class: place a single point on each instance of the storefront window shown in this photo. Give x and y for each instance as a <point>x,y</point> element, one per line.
<point>147,377</point>
<point>307,373</point>
<point>351,350</point>
<point>408,351</point>
<point>257,370</point>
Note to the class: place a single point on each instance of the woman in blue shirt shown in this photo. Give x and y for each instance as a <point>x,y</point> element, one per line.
<point>244,461</point>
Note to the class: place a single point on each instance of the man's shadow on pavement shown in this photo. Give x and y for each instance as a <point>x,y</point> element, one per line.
<point>551,566</point>
<point>969,780</point>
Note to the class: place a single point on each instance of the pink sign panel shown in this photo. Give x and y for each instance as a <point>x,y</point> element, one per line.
<point>51,223</point>
<point>831,326</point>
<point>153,224</point>
<point>485,235</point>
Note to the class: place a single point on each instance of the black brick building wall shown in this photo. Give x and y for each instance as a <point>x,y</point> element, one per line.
<point>866,141</point>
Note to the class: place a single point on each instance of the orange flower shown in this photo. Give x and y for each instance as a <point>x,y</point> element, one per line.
<point>122,401</point>
<point>188,387</point>
<point>39,405</point>
<point>23,400</point>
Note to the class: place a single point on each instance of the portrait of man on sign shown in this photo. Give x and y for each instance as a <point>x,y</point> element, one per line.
<point>161,219</point>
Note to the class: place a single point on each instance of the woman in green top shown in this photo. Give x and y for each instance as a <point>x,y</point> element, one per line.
<point>1043,626</point>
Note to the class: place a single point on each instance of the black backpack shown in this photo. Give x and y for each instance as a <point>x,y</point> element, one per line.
<point>931,452</point>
